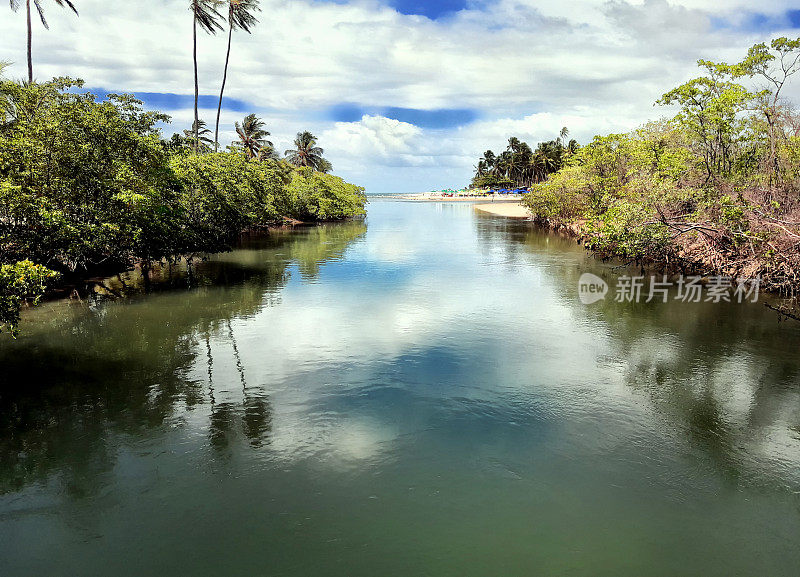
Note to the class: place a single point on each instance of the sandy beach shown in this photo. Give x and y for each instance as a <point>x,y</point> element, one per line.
<point>506,209</point>
<point>428,197</point>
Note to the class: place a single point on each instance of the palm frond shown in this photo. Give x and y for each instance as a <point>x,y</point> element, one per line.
<point>240,14</point>
<point>68,3</point>
<point>252,135</point>
<point>15,4</point>
<point>206,14</point>
<point>307,154</point>
<point>38,4</point>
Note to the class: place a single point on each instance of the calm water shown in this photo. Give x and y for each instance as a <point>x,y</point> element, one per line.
<point>420,394</point>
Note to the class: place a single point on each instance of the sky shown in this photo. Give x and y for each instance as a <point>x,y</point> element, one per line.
<point>405,95</point>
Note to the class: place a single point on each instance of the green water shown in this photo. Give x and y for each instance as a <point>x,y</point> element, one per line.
<point>420,394</point>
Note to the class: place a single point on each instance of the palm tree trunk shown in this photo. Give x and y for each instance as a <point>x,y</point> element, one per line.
<point>30,42</point>
<point>222,90</point>
<point>196,84</point>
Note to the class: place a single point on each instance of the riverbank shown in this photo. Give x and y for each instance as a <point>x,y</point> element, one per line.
<point>433,197</point>
<point>506,209</point>
<point>682,255</point>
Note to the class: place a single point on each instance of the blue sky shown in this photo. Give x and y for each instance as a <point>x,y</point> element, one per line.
<point>431,8</point>
<point>436,118</point>
<point>753,21</point>
<point>404,95</point>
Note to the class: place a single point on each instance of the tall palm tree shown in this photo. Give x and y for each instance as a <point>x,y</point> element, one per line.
<point>307,153</point>
<point>4,100</point>
<point>572,147</point>
<point>204,15</point>
<point>252,136</point>
<point>240,17</point>
<point>200,132</point>
<point>15,4</point>
<point>488,162</point>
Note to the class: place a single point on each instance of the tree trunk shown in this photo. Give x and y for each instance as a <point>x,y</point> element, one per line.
<point>196,84</point>
<point>222,90</point>
<point>30,42</point>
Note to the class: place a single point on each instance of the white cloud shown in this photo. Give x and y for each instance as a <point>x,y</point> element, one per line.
<point>527,67</point>
<point>381,140</point>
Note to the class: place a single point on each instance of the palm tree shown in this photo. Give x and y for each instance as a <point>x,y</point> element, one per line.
<point>490,160</point>
<point>268,152</point>
<point>240,16</point>
<point>518,164</point>
<point>521,155</point>
<point>15,4</point>
<point>306,152</point>
<point>572,147</point>
<point>200,132</point>
<point>4,100</point>
<point>252,136</point>
<point>204,15</point>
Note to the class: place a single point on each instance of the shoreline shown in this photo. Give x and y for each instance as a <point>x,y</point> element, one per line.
<point>787,307</point>
<point>505,209</point>
<point>428,197</point>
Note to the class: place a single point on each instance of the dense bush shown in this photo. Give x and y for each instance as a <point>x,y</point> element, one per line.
<point>715,189</point>
<point>78,178</point>
<point>312,196</point>
<point>20,282</point>
<point>221,195</point>
<point>86,185</point>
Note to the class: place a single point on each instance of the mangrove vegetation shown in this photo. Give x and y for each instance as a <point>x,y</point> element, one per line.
<point>714,189</point>
<point>90,186</point>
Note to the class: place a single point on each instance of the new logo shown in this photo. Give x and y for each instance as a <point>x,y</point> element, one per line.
<point>591,288</point>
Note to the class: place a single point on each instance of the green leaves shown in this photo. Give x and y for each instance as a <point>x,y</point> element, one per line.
<point>252,136</point>
<point>71,163</point>
<point>86,183</point>
<point>519,165</point>
<point>221,195</point>
<point>20,282</point>
<point>315,196</point>
<point>206,14</point>
<point>307,154</point>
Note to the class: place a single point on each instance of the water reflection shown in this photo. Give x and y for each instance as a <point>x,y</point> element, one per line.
<point>83,373</point>
<point>253,416</point>
<point>725,375</point>
<point>427,393</point>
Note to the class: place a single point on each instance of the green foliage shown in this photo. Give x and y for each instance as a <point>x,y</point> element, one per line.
<point>520,165</point>
<point>626,231</point>
<point>711,111</point>
<point>252,136</point>
<point>221,195</point>
<point>709,185</point>
<point>565,198</point>
<point>317,196</point>
<point>20,282</point>
<point>617,189</point>
<point>77,176</point>
<point>306,153</point>
<point>86,185</point>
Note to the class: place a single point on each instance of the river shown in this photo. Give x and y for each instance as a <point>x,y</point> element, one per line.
<point>423,393</point>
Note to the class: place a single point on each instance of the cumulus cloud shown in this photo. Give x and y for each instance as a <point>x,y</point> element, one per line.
<point>525,67</point>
